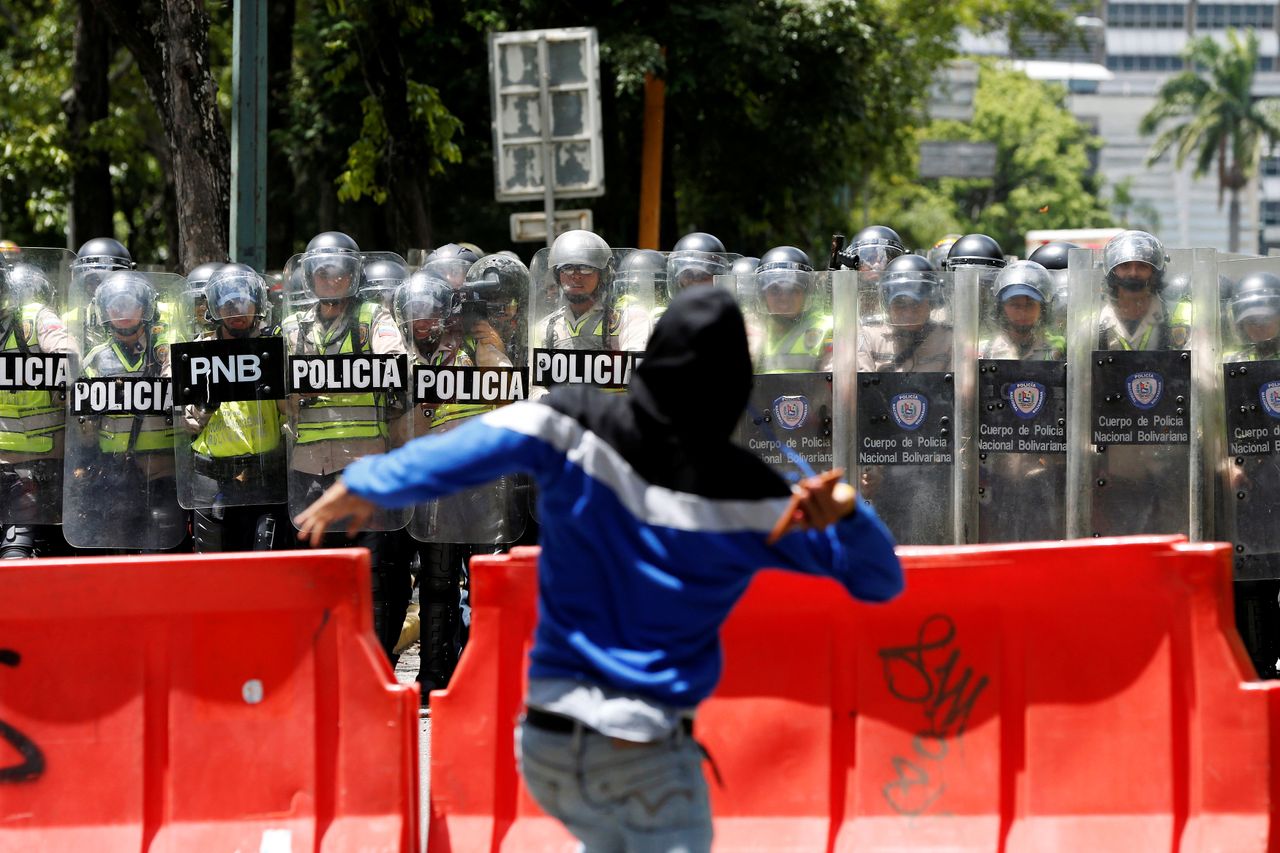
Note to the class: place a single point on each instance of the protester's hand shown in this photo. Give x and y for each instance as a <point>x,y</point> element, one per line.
<point>816,502</point>
<point>870,479</point>
<point>336,503</point>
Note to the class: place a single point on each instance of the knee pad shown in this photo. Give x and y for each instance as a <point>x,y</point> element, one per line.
<point>19,542</point>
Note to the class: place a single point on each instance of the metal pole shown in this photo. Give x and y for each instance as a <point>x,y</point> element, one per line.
<point>249,134</point>
<point>548,147</point>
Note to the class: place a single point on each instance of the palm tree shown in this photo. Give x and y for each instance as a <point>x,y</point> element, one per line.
<point>1215,116</point>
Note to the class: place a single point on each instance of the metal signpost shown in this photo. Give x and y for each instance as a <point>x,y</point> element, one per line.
<point>546,117</point>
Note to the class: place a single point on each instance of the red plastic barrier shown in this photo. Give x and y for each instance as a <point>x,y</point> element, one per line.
<point>185,703</point>
<point>1050,697</point>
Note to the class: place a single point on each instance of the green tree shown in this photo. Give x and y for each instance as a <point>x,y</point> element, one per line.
<point>1042,175</point>
<point>1213,116</point>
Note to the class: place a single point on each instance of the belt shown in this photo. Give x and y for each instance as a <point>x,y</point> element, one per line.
<point>560,724</point>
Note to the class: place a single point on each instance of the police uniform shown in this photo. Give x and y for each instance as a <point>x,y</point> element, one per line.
<point>1041,347</point>
<point>332,430</point>
<point>1150,333</point>
<point>136,452</point>
<point>803,345</point>
<point>33,435</point>
<point>228,445</point>
<point>628,328</point>
<point>883,348</point>
<point>900,492</point>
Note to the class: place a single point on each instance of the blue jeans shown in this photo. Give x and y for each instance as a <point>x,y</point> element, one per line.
<point>616,796</point>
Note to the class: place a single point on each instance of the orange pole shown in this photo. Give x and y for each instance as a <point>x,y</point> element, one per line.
<point>655,96</point>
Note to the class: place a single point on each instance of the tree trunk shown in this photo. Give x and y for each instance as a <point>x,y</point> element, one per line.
<point>169,39</point>
<point>407,160</point>
<point>281,182</point>
<point>87,102</point>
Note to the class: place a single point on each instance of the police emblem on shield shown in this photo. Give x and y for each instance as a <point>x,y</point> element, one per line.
<point>1144,389</point>
<point>1269,394</point>
<point>909,409</point>
<point>791,412</point>
<point>1027,398</point>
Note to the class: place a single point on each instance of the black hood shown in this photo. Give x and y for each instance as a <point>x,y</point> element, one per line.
<point>696,375</point>
<point>674,424</point>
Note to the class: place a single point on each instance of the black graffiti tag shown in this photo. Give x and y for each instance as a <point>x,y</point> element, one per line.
<point>32,766</point>
<point>947,696</point>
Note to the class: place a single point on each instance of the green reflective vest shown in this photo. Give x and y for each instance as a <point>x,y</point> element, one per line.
<point>116,430</point>
<point>339,417</point>
<point>800,349</point>
<point>29,420</point>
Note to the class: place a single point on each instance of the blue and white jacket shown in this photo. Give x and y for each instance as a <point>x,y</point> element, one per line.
<point>652,521</point>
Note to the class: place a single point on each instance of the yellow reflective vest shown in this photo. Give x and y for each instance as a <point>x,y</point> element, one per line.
<point>29,420</point>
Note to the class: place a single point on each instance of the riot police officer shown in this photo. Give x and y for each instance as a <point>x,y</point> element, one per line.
<point>1022,316</point>
<point>32,422</point>
<point>94,260</point>
<point>128,486</point>
<point>329,431</point>
<point>194,305</point>
<point>908,339</point>
<point>796,333</point>
<point>696,259</point>
<point>1026,398</point>
<point>491,309</point>
<point>1134,318</point>
<point>450,262</point>
<point>236,448</point>
<point>871,250</point>
<point>937,254</point>
<point>383,274</point>
<point>589,316</point>
<point>1053,257</point>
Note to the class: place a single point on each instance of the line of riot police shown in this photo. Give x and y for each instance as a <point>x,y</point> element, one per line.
<point>940,382</point>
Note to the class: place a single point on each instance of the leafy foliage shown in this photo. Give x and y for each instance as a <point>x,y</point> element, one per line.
<point>1041,178</point>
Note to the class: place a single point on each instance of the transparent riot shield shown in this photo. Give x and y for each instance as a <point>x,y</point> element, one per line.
<point>120,490</point>
<point>587,324</point>
<point>347,379</point>
<point>1249,308</point>
<point>1022,410</point>
<point>383,273</point>
<point>790,330</point>
<point>903,437</point>
<point>682,270</point>
<point>34,284</point>
<point>229,384</point>
<point>1133,445</point>
<point>465,346</point>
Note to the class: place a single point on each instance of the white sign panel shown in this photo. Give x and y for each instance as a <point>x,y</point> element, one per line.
<point>531,226</point>
<point>546,91</point>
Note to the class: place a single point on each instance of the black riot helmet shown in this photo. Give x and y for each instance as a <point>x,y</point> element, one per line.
<point>381,278</point>
<point>788,268</point>
<point>494,286</point>
<point>331,267</point>
<point>640,268</point>
<point>909,277</point>
<point>1022,278</point>
<point>236,291</point>
<point>450,262</point>
<point>424,297</point>
<point>872,248</point>
<point>1053,256</point>
<point>1129,247</point>
<point>974,250</point>
<point>24,284</point>
<point>95,259</point>
<point>193,296</point>
<point>1256,296</point>
<point>696,258</point>
<point>125,296</point>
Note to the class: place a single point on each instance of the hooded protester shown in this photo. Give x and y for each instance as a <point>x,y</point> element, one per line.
<point>645,500</point>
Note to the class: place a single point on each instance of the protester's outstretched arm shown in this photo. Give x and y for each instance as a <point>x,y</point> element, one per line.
<point>856,549</point>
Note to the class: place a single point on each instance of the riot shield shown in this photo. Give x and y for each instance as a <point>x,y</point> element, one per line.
<point>346,379</point>
<point>1022,411</point>
<point>788,422</point>
<point>587,324</point>
<point>1249,305</point>
<point>903,440</point>
<point>464,345</point>
<point>684,269</point>
<point>33,374</point>
<point>228,384</point>
<point>1131,465</point>
<point>119,478</point>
